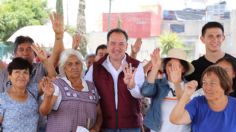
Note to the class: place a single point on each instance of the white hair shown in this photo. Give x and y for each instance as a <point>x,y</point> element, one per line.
<point>64,57</point>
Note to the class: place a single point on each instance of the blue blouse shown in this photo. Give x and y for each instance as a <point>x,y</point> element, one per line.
<point>204,119</point>
<point>20,116</point>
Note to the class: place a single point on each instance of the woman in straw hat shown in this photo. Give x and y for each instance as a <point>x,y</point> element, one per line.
<point>165,92</point>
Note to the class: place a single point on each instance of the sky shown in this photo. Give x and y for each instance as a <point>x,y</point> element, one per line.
<point>95,8</point>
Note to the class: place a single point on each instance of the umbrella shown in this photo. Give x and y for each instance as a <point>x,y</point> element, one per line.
<point>41,34</point>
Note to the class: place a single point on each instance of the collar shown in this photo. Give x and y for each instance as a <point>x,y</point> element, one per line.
<point>123,62</point>
<point>172,86</point>
<point>84,84</point>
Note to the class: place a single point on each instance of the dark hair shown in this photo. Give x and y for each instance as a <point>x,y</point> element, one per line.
<point>233,64</point>
<point>182,62</point>
<point>19,64</point>
<point>229,60</point>
<point>212,25</point>
<point>20,40</point>
<point>102,46</point>
<point>117,30</point>
<point>90,55</point>
<point>225,81</point>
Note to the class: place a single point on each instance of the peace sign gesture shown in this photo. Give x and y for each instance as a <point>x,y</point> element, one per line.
<point>39,51</point>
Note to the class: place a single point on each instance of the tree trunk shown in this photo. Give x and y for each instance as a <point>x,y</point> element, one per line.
<point>81,27</point>
<point>59,7</point>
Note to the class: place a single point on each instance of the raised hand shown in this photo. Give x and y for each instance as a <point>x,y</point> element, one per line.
<point>156,59</point>
<point>137,46</point>
<point>190,87</point>
<point>76,41</point>
<point>175,73</point>
<point>57,24</point>
<point>39,51</point>
<point>129,74</point>
<point>46,86</point>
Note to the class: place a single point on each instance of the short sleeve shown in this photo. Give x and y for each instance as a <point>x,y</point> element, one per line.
<point>57,93</point>
<point>191,107</point>
<point>56,90</point>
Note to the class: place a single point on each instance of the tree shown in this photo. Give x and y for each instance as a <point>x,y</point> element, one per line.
<point>81,27</point>
<point>169,41</point>
<point>15,14</point>
<point>59,7</point>
<point>119,23</point>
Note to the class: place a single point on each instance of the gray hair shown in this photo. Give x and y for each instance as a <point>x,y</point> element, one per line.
<point>64,57</point>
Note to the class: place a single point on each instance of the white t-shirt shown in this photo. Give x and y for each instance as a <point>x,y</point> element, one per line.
<point>167,105</point>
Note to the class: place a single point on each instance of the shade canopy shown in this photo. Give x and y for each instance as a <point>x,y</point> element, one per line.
<point>41,34</point>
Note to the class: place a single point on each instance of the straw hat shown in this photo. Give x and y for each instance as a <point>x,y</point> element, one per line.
<point>177,53</point>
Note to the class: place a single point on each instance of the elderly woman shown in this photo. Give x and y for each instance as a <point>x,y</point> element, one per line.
<point>214,112</point>
<point>165,92</point>
<point>70,101</point>
<point>18,105</point>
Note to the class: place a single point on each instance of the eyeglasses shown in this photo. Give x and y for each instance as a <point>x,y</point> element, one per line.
<point>210,83</point>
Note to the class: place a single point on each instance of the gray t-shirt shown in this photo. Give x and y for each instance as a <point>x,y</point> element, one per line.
<point>37,74</point>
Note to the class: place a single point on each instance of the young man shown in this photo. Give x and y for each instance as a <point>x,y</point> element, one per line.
<point>120,97</point>
<point>213,37</point>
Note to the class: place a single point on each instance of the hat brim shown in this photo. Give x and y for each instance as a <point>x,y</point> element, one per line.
<point>191,67</point>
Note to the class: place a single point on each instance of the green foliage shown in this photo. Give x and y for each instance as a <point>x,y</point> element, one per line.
<point>15,14</point>
<point>169,41</point>
<point>70,29</point>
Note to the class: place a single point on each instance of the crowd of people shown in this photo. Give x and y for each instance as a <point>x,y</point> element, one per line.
<point>56,94</point>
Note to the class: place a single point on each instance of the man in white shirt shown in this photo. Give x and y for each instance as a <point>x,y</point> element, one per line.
<point>120,97</point>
